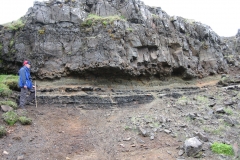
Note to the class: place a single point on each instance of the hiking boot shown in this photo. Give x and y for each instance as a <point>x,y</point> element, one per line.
<point>30,103</point>
<point>21,107</point>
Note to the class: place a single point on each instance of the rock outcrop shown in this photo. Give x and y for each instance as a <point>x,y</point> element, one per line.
<point>115,37</point>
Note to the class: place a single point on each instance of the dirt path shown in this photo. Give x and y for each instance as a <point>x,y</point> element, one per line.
<point>60,133</point>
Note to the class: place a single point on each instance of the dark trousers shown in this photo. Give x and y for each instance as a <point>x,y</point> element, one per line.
<point>25,97</point>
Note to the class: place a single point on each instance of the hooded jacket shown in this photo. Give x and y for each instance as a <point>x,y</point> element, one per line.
<point>24,78</point>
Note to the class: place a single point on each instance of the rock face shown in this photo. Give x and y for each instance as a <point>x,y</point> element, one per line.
<point>117,37</point>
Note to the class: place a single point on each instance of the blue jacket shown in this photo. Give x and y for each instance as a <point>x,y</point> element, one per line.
<point>24,78</point>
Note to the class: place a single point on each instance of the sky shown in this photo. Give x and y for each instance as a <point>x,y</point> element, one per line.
<point>223,16</point>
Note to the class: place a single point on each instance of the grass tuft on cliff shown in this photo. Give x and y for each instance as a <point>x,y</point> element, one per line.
<point>92,18</point>
<point>7,84</point>
<point>14,25</point>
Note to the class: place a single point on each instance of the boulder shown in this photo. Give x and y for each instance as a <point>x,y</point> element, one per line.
<point>6,108</point>
<point>192,146</point>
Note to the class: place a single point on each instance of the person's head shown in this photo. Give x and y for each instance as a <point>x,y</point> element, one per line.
<point>27,63</point>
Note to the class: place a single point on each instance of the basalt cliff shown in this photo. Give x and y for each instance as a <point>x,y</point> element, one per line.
<point>113,37</point>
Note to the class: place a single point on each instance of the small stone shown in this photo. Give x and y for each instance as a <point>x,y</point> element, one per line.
<point>5,152</point>
<point>122,145</point>
<point>206,117</point>
<point>127,139</point>
<point>212,104</point>
<point>201,136</point>
<point>167,131</point>
<point>228,102</point>
<point>180,152</point>
<point>220,110</point>
<point>20,157</point>
<point>152,137</point>
<point>154,129</point>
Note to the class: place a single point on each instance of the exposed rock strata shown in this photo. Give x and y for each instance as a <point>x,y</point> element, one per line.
<point>59,40</point>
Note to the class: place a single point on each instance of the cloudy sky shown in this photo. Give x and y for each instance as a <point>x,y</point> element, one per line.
<point>223,16</point>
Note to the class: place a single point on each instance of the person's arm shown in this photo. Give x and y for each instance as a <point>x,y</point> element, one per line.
<point>22,74</point>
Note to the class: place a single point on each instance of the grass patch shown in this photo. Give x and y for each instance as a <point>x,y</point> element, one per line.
<point>1,46</point>
<point>127,128</point>
<point>216,131</point>
<point>7,84</point>
<point>15,25</point>
<point>182,100</point>
<point>104,23</point>
<point>154,124</point>
<point>24,120</point>
<point>189,21</point>
<point>4,90</point>
<point>129,29</point>
<point>221,148</point>
<point>92,18</point>
<point>11,43</point>
<point>10,117</point>
<point>219,130</point>
<point>41,31</point>
<point>9,103</point>
<point>229,111</point>
<point>202,99</point>
<point>3,131</point>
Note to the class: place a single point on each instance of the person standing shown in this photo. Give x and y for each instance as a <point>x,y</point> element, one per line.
<point>25,83</point>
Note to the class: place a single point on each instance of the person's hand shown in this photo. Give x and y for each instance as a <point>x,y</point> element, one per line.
<point>33,86</point>
<point>25,87</point>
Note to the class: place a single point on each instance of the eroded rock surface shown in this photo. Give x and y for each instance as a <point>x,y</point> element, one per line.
<point>60,39</point>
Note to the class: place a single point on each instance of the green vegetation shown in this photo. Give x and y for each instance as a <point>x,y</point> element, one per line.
<point>9,103</point>
<point>122,17</point>
<point>130,29</point>
<point>15,25</point>
<point>155,16</point>
<point>11,43</point>
<point>3,131</point>
<point>229,56</point>
<point>24,120</point>
<point>10,117</point>
<point>216,131</point>
<point>182,100</point>
<point>228,111</point>
<point>104,23</point>
<point>202,99</point>
<point>190,21</point>
<point>1,46</point>
<point>41,31</point>
<point>8,82</point>
<point>92,18</point>
<point>222,148</point>
<point>219,130</point>
<point>127,128</point>
<point>4,90</point>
